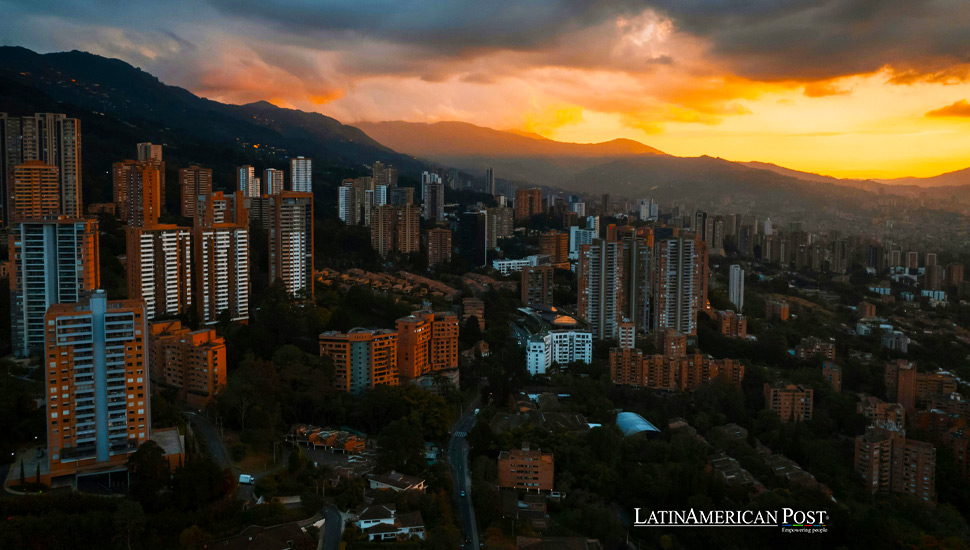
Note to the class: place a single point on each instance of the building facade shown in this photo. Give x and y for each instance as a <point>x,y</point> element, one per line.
<point>291,242</point>
<point>362,358</point>
<point>193,362</point>
<point>159,268</point>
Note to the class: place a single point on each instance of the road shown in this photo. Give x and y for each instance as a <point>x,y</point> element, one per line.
<point>458,458</point>
<point>333,529</point>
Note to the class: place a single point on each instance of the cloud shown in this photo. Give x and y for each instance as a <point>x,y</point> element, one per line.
<point>823,89</point>
<point>958,109</point>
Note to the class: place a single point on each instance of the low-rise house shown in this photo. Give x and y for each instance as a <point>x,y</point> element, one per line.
<point>381,522</point>
<point>396,481</point>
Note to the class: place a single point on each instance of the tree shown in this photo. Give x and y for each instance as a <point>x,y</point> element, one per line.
<point>149,471</point>
<point>400,446</point>
<point>129,520</point>
<point>193,538</point>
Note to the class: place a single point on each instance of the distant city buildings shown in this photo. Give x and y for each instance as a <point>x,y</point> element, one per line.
<point>439,246</point>
<point>301,175</point>
<point>291,242</point>
<point>395,228</point>
<point>528,202</point>
<point>736,286</point>
<point>193,182</point>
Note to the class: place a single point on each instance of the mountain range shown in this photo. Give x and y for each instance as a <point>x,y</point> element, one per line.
<point>121,105</point>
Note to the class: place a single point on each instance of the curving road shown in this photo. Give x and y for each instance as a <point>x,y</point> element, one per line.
<point>333,529</point>
<point>458,458</point>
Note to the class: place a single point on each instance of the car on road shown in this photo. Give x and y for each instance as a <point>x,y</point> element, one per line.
<point>476,411</point>
<point>462,492</point>
<point>247,479</point>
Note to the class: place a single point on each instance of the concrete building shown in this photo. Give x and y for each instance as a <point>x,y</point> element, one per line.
<point>362,358</point>
<point>676,286</point>
<point>439,246</point>
<point>526,470</point>
<point>193,362</point>
<point>50,138</point>
<point>395,228</point>
<point>159,268</point>
<point>528,202</point>
<point>220,251</point>
<point>600,293</point>
<point>537,285</point>
<point>291,242</point>
<point>246,182</point>
<point>889,463</point>
<point>791,402</point>
<point>833,374</point>
<point>810,347</point>
<point>301,175</point>
<point>193,182</point>
<point>149,151</point>
<point>473,237</point>
<point>51,262</point>
<point>137,186</point>
<point>348,207</point>
<point>558,346</point>
<point>427,342</point>
<point>34,192</point>
<point>776,310</point>
<point>272,181</point>
<point>731,324</point>
<point>736,286</point>
<point>432,197</point>
<point>98,407</point>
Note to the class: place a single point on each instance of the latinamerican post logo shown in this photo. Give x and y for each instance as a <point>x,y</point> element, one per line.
<point>788,520</point>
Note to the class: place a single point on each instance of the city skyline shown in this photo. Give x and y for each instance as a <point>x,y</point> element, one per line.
<point>850,91</point>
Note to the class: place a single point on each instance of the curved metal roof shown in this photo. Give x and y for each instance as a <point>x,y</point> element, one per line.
<point>632,423</point>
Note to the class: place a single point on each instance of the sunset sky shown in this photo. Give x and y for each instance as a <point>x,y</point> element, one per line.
<point>851,88</point>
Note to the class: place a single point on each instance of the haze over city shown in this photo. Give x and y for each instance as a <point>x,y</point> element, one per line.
<point>855,89</point>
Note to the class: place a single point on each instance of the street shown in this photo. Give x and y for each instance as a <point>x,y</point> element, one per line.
<point>458,458</point>
<point>332,530</point>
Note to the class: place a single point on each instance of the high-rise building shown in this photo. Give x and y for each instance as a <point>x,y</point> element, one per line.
<point>500,225</point>
<point>384,174</point>
<point>675,299</point>
<point>490,182</point>
<point>889,463</point>
<point>159,269</point>
<point>562,347</point>
<point>192,362</point>
<point>301,175</point>
<point>362,358</point>
<point>912,259</point>
<point>528,202</point>
<point>395,228</point>
<point>246,181</point>
<point>34,192</point>
<point>636,281</point>
<point>537,286</point>
<point>291,242</point>
<point>473,237</point>
<point>272,181</point>
<point>348,205</point>
<point>600,293</point>
<point>791,402</point>
<point>400,195</point>
<point>426,342</point>
<point>137,188</point>
<point>736,286</point>
<point>220,250</point>
<point>432,197</point>
<point>194,181</point>
<point>731,324</point>
<point>149,151</point>
<point>439,246</point>
<point>555,244</point>
<point>51,262</point>
<point>53,139</point>
<point>98,409</point>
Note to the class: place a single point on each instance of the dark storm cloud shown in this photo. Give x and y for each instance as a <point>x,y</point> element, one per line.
<point>822,39</point>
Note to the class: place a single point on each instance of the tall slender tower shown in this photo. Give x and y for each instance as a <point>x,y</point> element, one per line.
<point>676,297</point>
<point>52,262</point>
<point>291,243</point>
<point>137,191</point>
<point>301,175</point>
<point>246,181</point>
<point>98,411</point>
<point>736,287</point>
<point>600,292</point>
<point>272,181</point>
<point>194,181</point>
<point>51,138</point>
